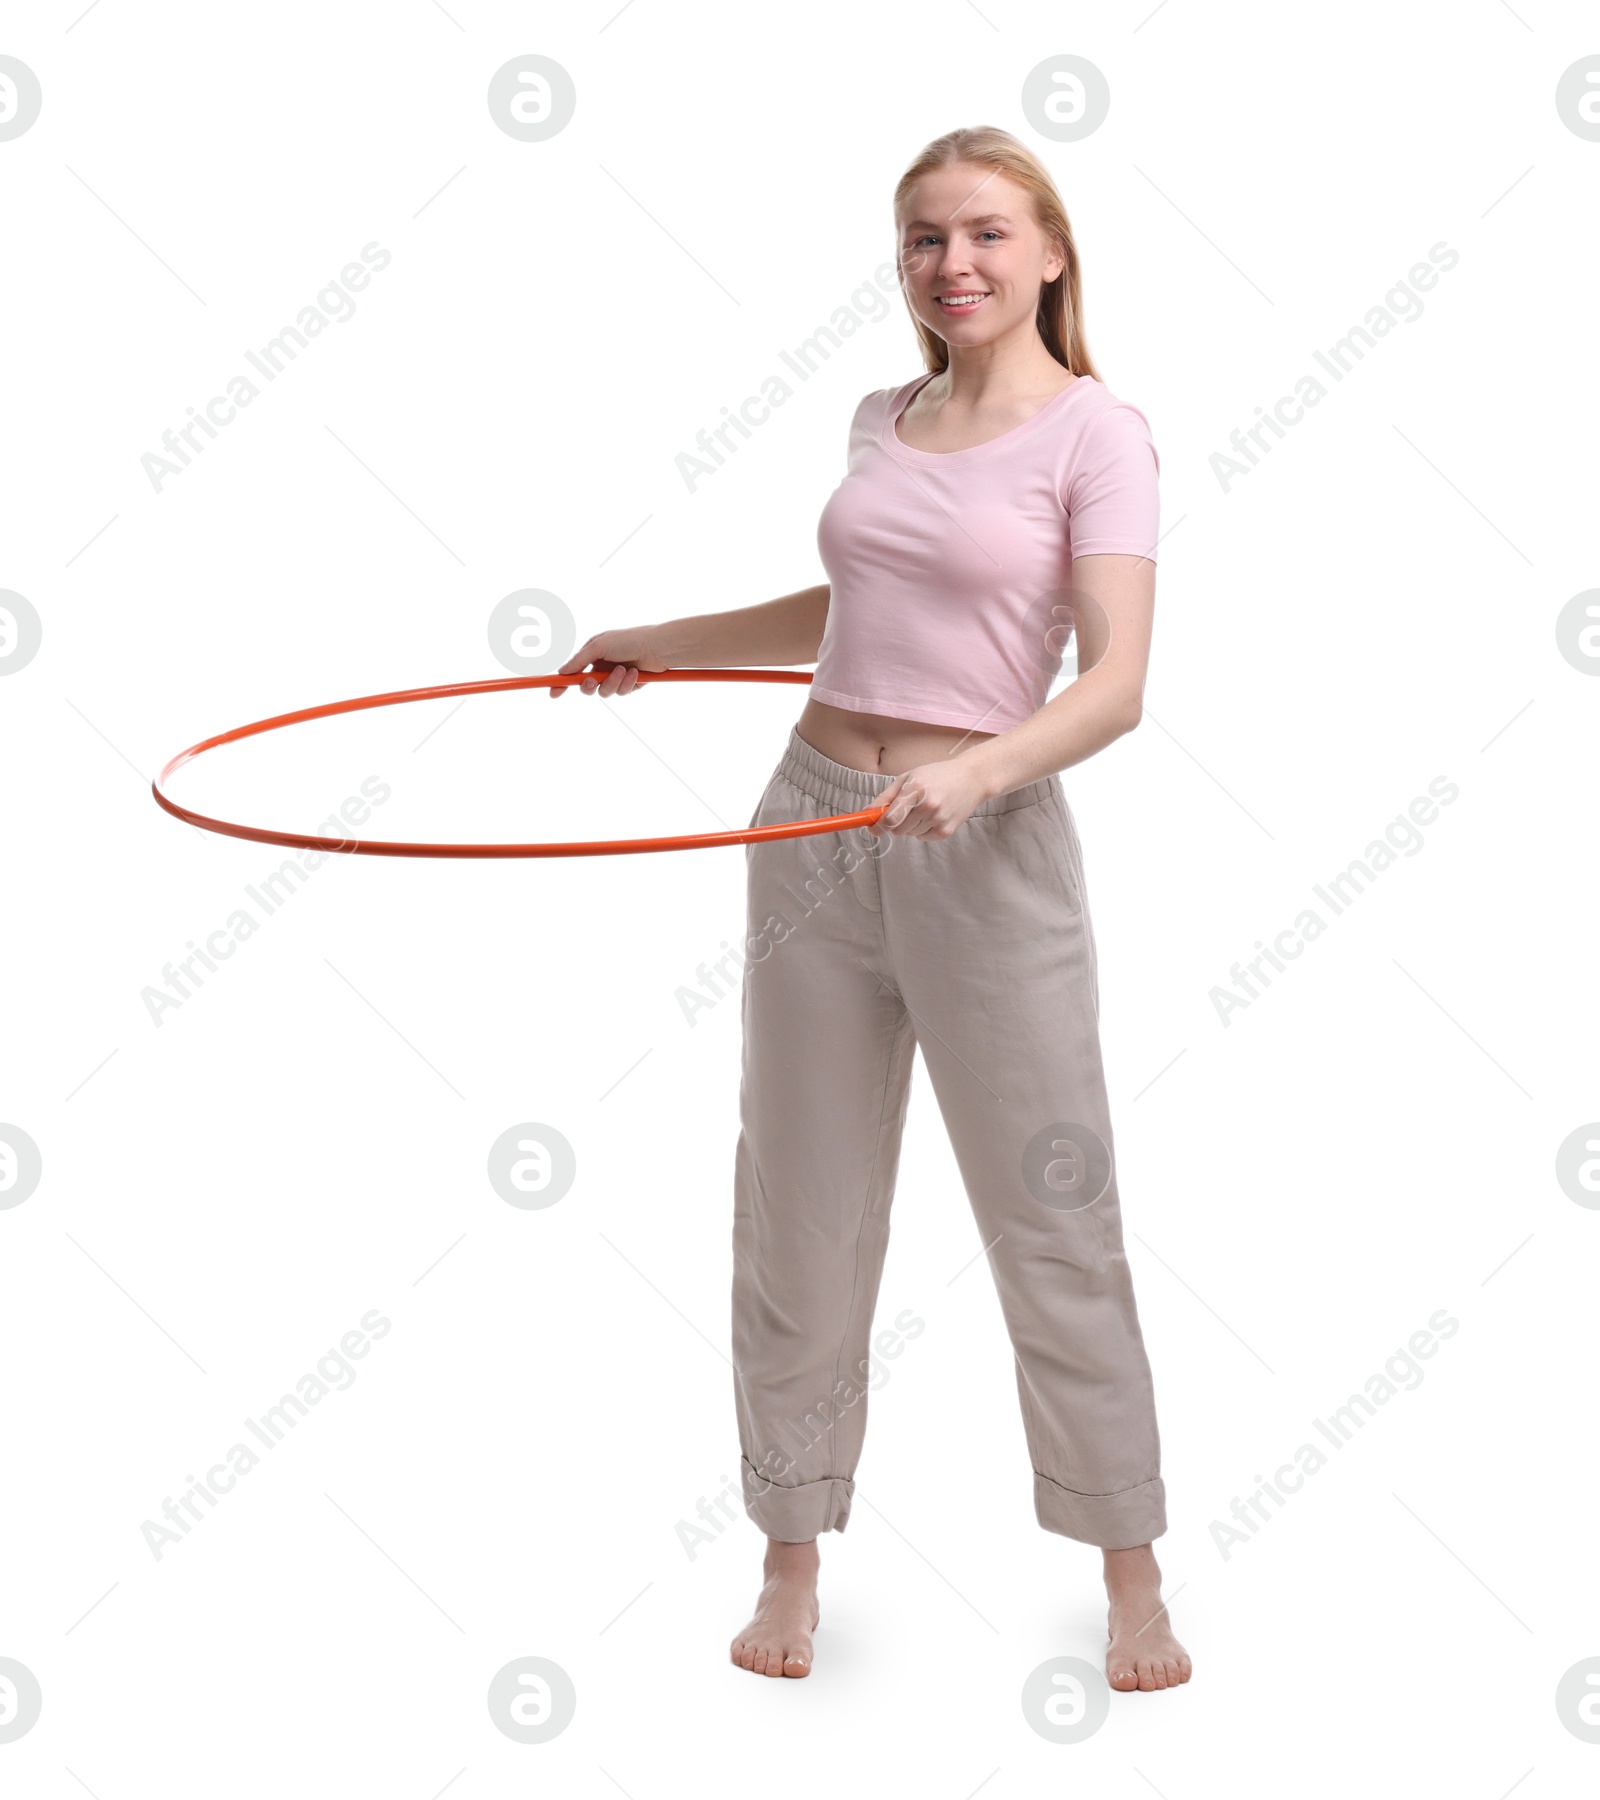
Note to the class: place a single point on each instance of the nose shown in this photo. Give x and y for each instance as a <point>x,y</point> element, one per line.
<point>955,262</point>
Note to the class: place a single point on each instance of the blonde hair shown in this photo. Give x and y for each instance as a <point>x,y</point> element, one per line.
<point>1060,313</point>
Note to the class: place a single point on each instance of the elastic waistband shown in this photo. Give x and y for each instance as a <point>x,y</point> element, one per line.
<point>853,790</point>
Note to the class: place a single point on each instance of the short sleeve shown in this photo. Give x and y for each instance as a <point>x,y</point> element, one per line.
<point>1113,498</point>
<point>863,421</point>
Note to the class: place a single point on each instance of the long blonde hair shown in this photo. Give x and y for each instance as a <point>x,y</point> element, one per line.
<point>1060,314</point>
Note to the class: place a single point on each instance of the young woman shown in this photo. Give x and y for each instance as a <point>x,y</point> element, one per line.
<point>992,504</point>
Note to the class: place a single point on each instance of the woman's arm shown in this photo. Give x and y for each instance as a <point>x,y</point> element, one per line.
<point>778,630</point>
<point>786,630</point>
<point>1115,608</point>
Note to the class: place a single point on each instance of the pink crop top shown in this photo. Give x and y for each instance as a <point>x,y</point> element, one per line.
<point>943,566</point>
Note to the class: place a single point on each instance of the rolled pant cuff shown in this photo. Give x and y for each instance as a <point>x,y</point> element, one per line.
<point>1118,1521</point>
<point>795,1515</point>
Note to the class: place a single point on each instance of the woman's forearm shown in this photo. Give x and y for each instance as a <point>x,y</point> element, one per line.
<point>787,630</point>
<point>1080,720</point>
<point>1112,608</point>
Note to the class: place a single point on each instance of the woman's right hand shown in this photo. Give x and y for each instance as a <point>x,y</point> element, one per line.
<point>630,650</point>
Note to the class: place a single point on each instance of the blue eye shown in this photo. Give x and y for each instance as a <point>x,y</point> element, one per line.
<point>988,231</point>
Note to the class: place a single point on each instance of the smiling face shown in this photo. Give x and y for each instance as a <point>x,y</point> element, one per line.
<point>971,256</point>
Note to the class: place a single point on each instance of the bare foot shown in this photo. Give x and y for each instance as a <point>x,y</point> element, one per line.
<point>1143,1655</point>
<point>777,1641</point>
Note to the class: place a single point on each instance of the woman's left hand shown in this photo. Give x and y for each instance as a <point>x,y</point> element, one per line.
<point>929,801</point>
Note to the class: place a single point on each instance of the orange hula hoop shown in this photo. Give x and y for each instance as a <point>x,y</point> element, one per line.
<point>297,840</point>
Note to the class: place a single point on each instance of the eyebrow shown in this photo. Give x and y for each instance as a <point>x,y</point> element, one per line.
<point>981,219</point>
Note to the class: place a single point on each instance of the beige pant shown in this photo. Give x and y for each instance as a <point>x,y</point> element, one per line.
<point>977,948</point>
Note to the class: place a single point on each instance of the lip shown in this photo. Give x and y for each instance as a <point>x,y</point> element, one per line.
<point>959,293</point>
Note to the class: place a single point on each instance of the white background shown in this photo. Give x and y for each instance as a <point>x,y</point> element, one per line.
<point>305,1138</point>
